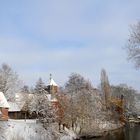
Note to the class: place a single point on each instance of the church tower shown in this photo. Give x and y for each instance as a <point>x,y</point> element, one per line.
<point>52,87</point>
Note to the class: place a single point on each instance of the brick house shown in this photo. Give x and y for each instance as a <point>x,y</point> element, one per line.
<point>4,107</point>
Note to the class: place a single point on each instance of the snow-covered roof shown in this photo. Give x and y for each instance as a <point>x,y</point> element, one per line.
<point>3,101</point>
<point>52,83</point>
<point>54,100</point>
<point>49,96</point>
<point>14,107</point>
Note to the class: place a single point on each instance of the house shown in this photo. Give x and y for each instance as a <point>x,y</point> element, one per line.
<point>4,107</point>
<point>17,112</point>
<point>19,108</point>
<point>14,111</point>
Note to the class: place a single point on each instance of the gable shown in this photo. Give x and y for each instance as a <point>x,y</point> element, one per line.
<point>3,101</point>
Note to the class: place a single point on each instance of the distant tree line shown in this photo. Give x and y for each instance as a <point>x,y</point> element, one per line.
<point>80,106</point>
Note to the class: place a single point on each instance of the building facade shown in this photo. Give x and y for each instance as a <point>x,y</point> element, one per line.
<point>4,107</point>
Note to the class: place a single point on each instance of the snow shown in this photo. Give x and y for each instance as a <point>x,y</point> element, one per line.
<point>49,97</point>
<point>3,101</point>
<point>66,138</point>
<point>71,133</point>
<point>14,107</point>
<point>108,125</point>
<point>53,100</point>
<point>31,130</point>
<point>23,130</point>
<point>52,83</point>
<point>27,121</point>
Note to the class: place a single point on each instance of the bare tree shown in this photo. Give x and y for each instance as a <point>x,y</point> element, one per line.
<point>9,82</point>
<point>73,87</point>
<point>112,106</point>
<point>84,104</point>
<point>63,114</point>
<point>128,94</point>
<point>133,46</point>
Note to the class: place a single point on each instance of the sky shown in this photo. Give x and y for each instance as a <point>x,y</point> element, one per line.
<point>39,37</point>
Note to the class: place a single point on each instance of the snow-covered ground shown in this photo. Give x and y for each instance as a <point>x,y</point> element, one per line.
<point>29,130</point>
<point>22,130</point>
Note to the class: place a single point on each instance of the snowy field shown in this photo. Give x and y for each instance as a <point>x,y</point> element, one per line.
<point>22,130</point>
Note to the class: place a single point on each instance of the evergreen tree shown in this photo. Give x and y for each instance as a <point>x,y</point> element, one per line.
<point>40,87</point>
<point>41,105</point>
<point>25,89</point>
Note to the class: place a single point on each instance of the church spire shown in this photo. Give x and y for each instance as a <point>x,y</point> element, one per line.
<point>52,86</point>
<point>52,82</point>
<point>50,76</point>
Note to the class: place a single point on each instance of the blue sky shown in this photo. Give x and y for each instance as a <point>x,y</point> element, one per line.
<point>39,37</point>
